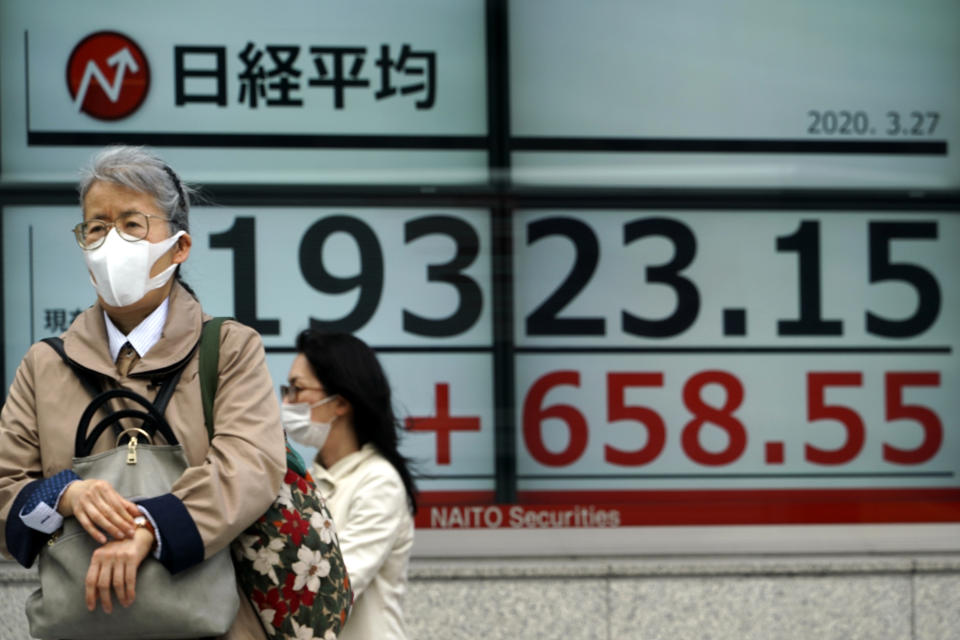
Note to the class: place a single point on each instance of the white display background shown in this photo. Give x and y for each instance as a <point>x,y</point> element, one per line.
<point>747,69</point>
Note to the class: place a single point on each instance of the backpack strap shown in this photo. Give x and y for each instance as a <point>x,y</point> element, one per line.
<point>209,360</point>
<point>209,363</point>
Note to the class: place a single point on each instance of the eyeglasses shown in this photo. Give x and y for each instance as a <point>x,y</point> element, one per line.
<point>131,226</point>
<point>291,391</point>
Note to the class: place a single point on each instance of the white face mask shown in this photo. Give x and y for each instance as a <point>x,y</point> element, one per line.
<point>296,422</point>
<point>120,270</point>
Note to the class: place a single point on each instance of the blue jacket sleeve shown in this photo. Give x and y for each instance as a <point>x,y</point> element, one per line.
<point>23,541</point>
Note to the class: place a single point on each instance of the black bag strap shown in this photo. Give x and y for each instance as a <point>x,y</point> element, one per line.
<point>169,384</point>
<point>88,378</point>
<point>152,419</point>
<point>83,447</point>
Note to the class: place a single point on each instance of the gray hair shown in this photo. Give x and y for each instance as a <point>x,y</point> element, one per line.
<point>140,169</point>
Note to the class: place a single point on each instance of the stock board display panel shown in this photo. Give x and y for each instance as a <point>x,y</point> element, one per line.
<point>670,367</point>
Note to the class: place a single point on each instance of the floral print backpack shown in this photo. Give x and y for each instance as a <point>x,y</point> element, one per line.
<point>288,562</point>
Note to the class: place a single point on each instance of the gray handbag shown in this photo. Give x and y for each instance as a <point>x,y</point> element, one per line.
<point>199,602</point>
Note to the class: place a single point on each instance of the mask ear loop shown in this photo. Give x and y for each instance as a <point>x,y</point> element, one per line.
<point>324,401</point>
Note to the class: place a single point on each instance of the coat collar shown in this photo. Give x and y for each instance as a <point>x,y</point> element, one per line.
<point>344,466</point>
<point>85,342</point>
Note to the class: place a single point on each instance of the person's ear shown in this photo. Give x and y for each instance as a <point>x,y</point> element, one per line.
<point>342,406</point>
<point>181,250</point>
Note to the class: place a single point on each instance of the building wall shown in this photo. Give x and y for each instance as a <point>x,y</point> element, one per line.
<point>874,597</point>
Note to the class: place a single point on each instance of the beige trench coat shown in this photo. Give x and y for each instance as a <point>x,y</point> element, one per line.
<point>231,480</point>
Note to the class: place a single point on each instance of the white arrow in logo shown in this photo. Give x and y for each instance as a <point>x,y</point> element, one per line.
<point>122,60</point>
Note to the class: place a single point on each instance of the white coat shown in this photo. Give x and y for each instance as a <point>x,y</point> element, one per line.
<point>368,502</point>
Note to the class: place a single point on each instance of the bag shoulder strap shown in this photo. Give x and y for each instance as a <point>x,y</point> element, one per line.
<point>88,378</point>
<point>92,381</point>
<point>169,383</point>
<point>209,363</point>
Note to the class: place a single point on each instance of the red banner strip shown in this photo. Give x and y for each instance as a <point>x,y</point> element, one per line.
<point>604,509</point>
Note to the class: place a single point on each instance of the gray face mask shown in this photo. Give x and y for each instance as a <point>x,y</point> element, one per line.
<point>301,429</point>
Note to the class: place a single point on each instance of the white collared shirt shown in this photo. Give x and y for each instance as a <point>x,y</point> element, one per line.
<point>144,335</point>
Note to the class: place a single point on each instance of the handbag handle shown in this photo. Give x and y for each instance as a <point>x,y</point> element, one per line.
<point>148,425</point>
<point>150,418</point>
<point>136,429</point>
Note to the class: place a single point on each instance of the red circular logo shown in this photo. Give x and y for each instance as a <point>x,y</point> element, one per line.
<point>108,75</point>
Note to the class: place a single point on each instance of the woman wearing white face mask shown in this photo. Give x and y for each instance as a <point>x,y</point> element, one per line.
<point>134,237</point>
<point>338,401</point>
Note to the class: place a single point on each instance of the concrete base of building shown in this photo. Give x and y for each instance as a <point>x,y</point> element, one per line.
<point>787,597</point>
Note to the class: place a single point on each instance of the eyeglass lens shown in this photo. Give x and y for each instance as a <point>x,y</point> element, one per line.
<point>131,226</point>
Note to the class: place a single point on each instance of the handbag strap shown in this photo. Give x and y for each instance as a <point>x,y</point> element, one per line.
<point>152,420</point>
<point>169,384</point>
<point>89,378</point>
<point>84,447</point>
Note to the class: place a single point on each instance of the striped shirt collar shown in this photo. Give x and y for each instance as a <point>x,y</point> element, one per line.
<point>144,335</point>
